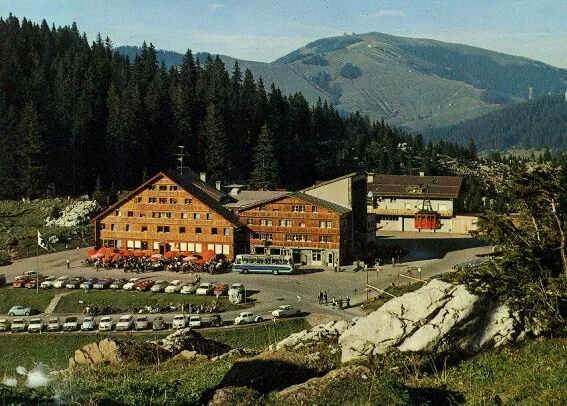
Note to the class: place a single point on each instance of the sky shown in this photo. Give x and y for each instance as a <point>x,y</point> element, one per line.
<point>264,30</point>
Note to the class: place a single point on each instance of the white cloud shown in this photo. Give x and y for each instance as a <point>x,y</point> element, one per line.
<point>216,6</point>
<point>392,12</point>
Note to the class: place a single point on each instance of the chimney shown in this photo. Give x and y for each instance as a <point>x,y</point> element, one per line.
<point>217,184</point>
<point>203,176</point>
<point>370,177</point>
<point>234,191</point>
<point>421,173</point>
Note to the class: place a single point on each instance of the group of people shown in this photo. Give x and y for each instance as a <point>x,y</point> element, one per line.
<point>336,302</point>
<point>144,264</point>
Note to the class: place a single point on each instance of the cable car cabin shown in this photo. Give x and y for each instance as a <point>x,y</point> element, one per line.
<point>427,220</point>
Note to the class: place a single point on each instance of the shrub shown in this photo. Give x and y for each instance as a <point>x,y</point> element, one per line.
<point>349,71</point>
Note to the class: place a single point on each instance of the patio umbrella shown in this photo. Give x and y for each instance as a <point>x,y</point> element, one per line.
<point>139,254</point>
<point>91,252</point>
<point>171,254</point>
<point>98,255</point>
<point>190,258</point>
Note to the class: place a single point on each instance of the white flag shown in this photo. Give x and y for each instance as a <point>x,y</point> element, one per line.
<point>40,241</point>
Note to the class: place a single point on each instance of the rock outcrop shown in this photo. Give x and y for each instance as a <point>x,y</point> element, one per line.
<point>76,213</point>
<point>437,317</point>
<point>332,330</point>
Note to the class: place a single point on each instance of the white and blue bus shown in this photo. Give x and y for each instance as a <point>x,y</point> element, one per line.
<point>276,264</point>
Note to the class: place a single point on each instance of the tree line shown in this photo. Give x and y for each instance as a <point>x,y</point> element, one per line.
<point>78,116</point>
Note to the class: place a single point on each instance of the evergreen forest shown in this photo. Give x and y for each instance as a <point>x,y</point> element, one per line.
<point>76,116</point>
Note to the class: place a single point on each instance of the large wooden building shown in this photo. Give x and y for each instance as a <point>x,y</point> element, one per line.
<point>173,211</point>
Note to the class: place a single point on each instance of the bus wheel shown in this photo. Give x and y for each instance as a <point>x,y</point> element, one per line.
<point>245,271</point>
<point>275,271</point>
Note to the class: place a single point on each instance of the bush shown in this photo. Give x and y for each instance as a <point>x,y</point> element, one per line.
<point>349,71</point>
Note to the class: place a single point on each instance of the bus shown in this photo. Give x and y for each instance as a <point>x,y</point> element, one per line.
<point>275,264</point>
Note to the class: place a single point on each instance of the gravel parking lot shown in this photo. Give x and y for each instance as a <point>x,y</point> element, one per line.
<point>432,253</point>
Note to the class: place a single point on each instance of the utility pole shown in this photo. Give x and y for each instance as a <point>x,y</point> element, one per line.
<point>180,158</point>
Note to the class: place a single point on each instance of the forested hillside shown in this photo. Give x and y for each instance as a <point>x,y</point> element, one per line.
<point>533,124</point>
<point>76,115</point>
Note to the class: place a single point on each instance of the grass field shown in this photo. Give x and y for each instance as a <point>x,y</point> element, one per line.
<point>24,297</point>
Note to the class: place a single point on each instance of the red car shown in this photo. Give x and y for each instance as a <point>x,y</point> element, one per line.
<point>221,289</point>
<point>144,285</point>
<point>20,281</point>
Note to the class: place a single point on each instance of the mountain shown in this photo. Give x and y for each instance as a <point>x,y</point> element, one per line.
<point>532,124</point>
<point>412,83</point>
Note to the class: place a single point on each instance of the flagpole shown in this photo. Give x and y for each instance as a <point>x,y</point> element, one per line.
<point>37,265</point>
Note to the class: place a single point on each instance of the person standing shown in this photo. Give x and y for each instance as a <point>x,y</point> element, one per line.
<point>325,298</point>
<point>68,263</point>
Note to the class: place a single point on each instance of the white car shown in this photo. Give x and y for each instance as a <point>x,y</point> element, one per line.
<point>18,325</point>
<point>285,310</point>
<point>159,286</point>
<point>53,324</point>
<point>125,322</point>
<point>188,288</point>
<point>105,323</point>
<point>130,284</point>
<point>141,323</point>
<point>60,282</point>
<point>35,326</point>
<point>205,288</point>
<point>89,323</point>
<point>174,286</point>
<point>71,324</point>
<point>195,321</point>
<point>247,317</point>
<point>179,321</point>
<point>48,282</point>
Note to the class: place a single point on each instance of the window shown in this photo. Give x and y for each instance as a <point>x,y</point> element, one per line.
<point>130,214</point>
<point>114,227</point>
<point>325,224</point>
<point>285,223</point>
<point>197,230</point>
<point>301,237</point>
<point>214,230</point>
<point>162,200</point>
<point>209,216</point>
<point>265,236</point>
<point>250,221</point>
<point>144,228</point>
<point>181,230</point>
<point>184,215</point>
<point>262,207</point>
<point>188,201</point>
<point>151,187</point>
<point>226,231</point>
<point>162,187</point>
<point>301,224</point>
<point>172,200</point>
<point>139,199</point>
<point>316,256</point>
<point>102,226</point>
<point>287,237</point>
<point>173,187</point>
<point>325,238</point>
<point>198,247</point>
<point>128,227</point>
<point>298,209</point>
<point>196,216</point>
<point>314,209</point>
<point>163,229</point>
<point>152,200</point>
<point>117,213</point>
<point>265,222</point>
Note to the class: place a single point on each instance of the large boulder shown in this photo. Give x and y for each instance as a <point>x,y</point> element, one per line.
<point>438,317</point>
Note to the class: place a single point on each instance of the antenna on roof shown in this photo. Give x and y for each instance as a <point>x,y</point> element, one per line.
<point>180,158</point>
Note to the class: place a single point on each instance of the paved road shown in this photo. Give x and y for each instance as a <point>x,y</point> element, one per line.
<point>433,253</point>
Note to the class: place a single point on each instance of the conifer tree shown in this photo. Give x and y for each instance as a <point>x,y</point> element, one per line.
<point>264,176</point>
<point>215,141</point>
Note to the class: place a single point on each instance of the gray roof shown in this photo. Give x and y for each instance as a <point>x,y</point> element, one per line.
<point>250,198</point>
<point>414,185</point>
<point>321,203</point>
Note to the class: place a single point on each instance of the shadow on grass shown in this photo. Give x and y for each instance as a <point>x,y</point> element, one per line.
<point>263,376</point>
<point>435,396</point>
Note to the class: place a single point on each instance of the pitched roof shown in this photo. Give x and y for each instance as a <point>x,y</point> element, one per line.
<point>186,183</point>
<point>321,203</point>
<point>326,182</point>
<point>187,175</point>
<point>412,185</point>
<point>251,198</point>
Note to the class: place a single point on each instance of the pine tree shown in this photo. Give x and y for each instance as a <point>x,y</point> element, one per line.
<point>264,176</point>
<point>215,141</point>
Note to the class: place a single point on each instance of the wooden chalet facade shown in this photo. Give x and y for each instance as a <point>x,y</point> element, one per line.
<point>172,211</point>
<point>312,230</point>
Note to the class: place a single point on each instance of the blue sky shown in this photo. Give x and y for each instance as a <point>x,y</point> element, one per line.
<point>263,30</point>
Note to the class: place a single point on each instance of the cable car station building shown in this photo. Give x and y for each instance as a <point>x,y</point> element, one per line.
<point>413,202</point>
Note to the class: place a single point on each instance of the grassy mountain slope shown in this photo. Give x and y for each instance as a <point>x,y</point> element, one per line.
<point>412,83</point>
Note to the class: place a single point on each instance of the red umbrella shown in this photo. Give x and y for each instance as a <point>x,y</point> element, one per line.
<point>139,254</point>
<point>190,258</point>
<point>127,252</point>
<point>91,252</point>
<point>98,255</point>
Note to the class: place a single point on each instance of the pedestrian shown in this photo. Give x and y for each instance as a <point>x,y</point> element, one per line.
<point>320,297</point>
<point>68,264</point>
<point>347,302</point>
<point>393,261</point>
<point>334,302</point>
<point>325,298</point>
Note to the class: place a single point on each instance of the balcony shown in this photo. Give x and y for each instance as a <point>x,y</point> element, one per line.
<point>405,212</point>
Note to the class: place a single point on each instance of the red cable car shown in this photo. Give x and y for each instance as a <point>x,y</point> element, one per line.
<point>427,220</point>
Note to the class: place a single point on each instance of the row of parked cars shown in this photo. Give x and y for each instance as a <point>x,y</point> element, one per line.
<point>89,323</point>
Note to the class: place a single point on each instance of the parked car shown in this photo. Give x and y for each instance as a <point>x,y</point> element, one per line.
<point>48,282</point>
<point>32,274</point>
<point>144,285</point>
<point>158,286</point>
<point>53,324</point>
<point>32,283</point>
<point>247,317</point>
<point>20,281</point>
<point>103,283</point>
<point>18,325</point>
<point>60,282</point>
<point>71,324</point>
<point>158,323</point>
<point>89,324</point>
<point>215,320</point>
<point>4,325</point>
<point>174,286</point>
<point>88,283</point>
<point>74,282</point>
<point>35,326</point>
<point>220,289</point>
<point>20,311</point>
<point>118,283</point>
<point>205,288</point>
<point>236,293</point>
<point>195,321</point>
<point>141,323</point>
<point>189,288</point>
<point>125,322</point>
<point>179,321</point>
<point>105,323</point>
<point>130,284</point>
<point>285,310</point>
